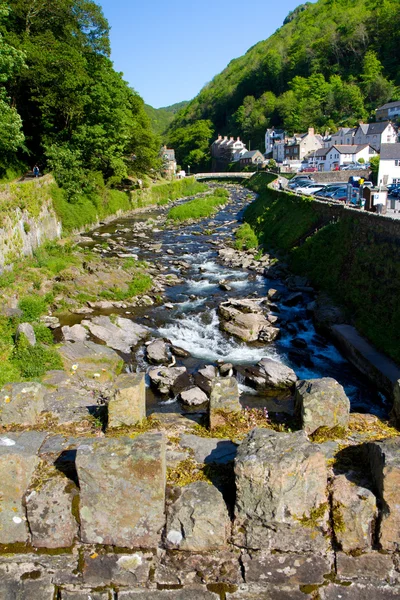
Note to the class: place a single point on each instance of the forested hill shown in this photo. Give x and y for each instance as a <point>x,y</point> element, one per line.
<point>62,104</point>
<point>329,65</point>
<point>161,118</point>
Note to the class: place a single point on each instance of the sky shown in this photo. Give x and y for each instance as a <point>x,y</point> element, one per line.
<point>169,49</point>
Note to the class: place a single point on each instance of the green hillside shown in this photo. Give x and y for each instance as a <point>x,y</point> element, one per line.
<point>161,118</point>
<point>331,64</point>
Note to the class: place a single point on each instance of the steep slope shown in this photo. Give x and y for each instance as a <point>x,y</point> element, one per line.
<point>330,64</point>
<point>161,118</point>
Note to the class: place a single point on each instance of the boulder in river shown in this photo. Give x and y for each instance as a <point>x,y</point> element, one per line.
<point>245,319</point>
<point>120,334</point>
<point>157,352</point>
<point>164,379</point>
<point>321,403</point>
<point>76,333</point>
<point>270,373</point>
<point>194,396</point>
<point>281,493</point>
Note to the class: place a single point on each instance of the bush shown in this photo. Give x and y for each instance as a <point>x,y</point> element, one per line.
<point>197,209</point>
<point>32,307</point>
<point>246,238</point>
<point>34,361</point>
<point>43,334</point>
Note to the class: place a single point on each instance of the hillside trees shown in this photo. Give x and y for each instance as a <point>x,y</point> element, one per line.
<point>77,112</point>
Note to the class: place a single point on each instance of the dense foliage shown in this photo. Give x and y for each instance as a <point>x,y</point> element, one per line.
<point>62,103</point>
<point>161,118</point>
<point>331,64</point>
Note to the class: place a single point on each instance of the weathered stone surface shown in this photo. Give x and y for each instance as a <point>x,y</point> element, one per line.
<point>90,358</point>
<point>57,569</point>
<point>84,595</point>
<point>122,484</point>
<point>49,512</point>
<point>287,568</point>
<point>210,450</point>
<point>127,405</point>
<point>120,334</point>
<point>373,566</point>
<point>157,353</point>
<point>76,333</point>
<point>359,592</point>
<point>100,570</point>
<point>245,319</point>
<point>188,593</point>
<point>321,403</point>
<point>193,396</point>
<point>18,459</point>
<point>273,294</point>
<point>260,592</point>
<point>21,403</point>
<point>26,590</point>
<point>384,458</point>
<point>224,399</point>
<point>204,377</point>
<point>281,497</point>
<point>183,568</point>
<point>27,330</point>
<point>354,514</point>
<point>271,374</point>
<point>198,519</point>
<point>164,378</point>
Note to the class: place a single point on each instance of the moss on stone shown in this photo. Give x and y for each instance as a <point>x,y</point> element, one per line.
<point>324,434</point>
<point>337,518</point>
<point>316,514</point>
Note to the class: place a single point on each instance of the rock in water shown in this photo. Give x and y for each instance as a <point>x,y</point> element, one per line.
<point>321,403</point>
<point>21,403</point>
<point>122,334</point>
<point>281,493</point>
<point>198,520</point>
<point>163,378</point>
<point>384,458</point>
<point>76,333</point>
<point>271,374</point>
<point>193,396</point>
<point>224,400</point>
<point>18,460</point>
<point>122,483</point>
<point>354,512</point>
<point>127,405</point>
<point>157,353</point>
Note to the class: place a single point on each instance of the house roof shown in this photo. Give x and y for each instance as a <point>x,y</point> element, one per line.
<point>390,151</point>
<point>347,149</point>
<point>389,105</point>
<point>250,154</point>
<point>376,128</point>
<point>319,152</point>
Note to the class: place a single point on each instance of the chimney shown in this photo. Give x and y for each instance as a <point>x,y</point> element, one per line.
<point>219,137</point>
<point>225,137</point>
<point>311,131</point>
<point>231,139</point>
<point>238,139</point>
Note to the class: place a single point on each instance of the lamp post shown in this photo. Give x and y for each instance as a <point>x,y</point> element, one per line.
<point>188,170</point>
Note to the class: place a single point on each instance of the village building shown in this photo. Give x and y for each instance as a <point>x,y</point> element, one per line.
<point>341,155</point>
<point>225,150</point>
<point>299,146</point>
<point>272,136</point>
<point>389,164</point>
<point>169,162</point>
<point>375,134</point>
<point>389,111</point>
<point>252,157</point>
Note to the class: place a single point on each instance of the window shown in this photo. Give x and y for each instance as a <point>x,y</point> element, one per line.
<point>396,180</point>
<point>396,163</point>
<point>371,150</point>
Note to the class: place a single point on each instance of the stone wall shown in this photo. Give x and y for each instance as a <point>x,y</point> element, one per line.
<point>338,176</point>
<point>27,219</point>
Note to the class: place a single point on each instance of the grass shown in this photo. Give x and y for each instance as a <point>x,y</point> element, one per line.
<point>140,284</point>
<point>246,238</point>
<point>198,208</point>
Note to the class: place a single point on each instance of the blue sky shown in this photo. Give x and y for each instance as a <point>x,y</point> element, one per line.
<point>168,50</point>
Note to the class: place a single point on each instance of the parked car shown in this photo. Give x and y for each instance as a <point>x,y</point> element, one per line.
<point>330,188</point>
<point>350,167</point>
<point>392,187</point>
<point>308,190</point>
<point>340,194</point>
<point>309,170</point>
<point>299,180</point>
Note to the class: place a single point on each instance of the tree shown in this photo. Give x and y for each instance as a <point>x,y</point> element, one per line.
<point>271,164</point>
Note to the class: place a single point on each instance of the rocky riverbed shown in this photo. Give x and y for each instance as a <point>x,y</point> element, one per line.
<point>203,441</point>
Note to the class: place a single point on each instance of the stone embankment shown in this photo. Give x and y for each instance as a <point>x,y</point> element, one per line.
<point>140,509</point>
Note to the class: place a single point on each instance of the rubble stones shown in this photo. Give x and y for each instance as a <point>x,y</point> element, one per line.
<point>281,495</point>
<point>321,403</point>
<point>122,484</point>
<point>127,405</point>
<point>21,403</point>
<point>198,519</point>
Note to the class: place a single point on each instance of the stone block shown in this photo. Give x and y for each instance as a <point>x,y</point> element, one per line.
<point>85,595</point>
<point>26,590</point>
<point>210,450</point>
<point>286,569</point>
<point>189,593</point>
<point>21,403</point>
<point>354,513</point>
<point>359,591</point>
<point>270,592</point>
<point>183,568</point>
<point>127,405</point>
<point>49,512</point>
<point>122,483</point>
<point>198,519</point>
<point>224,399</point>
<point>384,458</point>
<point>129,570</point>
<point>18,459</point>
<point>281,493</point>
<point>321,403</point>
<point>57,569</point>
<point>88,358</point>
<point>372,566</point>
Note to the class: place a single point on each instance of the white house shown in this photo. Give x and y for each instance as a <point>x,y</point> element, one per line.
<point>391,110</point>
<point>389,164</point>
<point>278,151</point>
<point>375,134</point>
<point>343,136</point>
<point>271,137</point>
<point>340,155</point>
<point>227,149</point>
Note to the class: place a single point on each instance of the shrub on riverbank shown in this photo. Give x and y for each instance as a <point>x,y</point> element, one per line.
<point>352,256</point>
<point>246,239</point>
<point>199,208</point>
<point>162,193</point>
